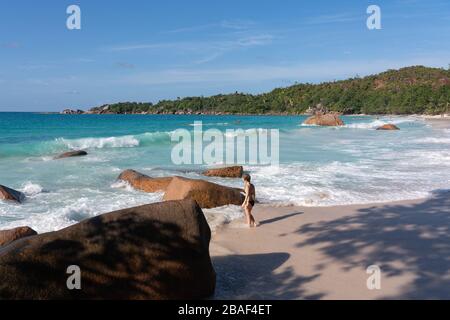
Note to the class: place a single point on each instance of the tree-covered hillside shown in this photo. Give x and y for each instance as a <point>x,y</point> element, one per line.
<point>412,90</point>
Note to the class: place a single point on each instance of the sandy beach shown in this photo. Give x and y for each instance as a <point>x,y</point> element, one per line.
<point>438,122</point>
<point>323,252</point>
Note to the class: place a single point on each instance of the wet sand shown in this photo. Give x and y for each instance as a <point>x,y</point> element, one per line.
<point>323,252</point>
<point>438,122</point>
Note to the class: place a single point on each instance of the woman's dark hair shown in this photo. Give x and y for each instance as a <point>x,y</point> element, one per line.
<point>246,177</point>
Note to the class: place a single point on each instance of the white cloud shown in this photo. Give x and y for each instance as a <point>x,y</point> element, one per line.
<point>302,72</point>
<point>38,82</point>
<point>11,45</point>
<point>252,40</point>
<point>207,50</point>
<point>238,78</point>
<point>35,66</point>
<point>257,40</point>
<point>224,24</point>
<point>335,18</point>
<point>125,65</point>
<point>237,24</point>
<point>143,46</point>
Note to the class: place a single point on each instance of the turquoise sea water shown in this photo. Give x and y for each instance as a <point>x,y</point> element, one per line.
<point>318,166</point>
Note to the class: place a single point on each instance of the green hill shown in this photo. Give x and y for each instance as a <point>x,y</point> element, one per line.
<point>411,90</point>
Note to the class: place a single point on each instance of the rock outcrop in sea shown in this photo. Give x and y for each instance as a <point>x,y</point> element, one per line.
<point>8,236</point>
<point>71,111</point>
<point>156,251</point>
<point>9,194</point>
<point>71,154</point>
<point>327,119</point>
<point>388,127</point>
<point>207,194</point>
<point>143,182</point>
<point>228,172</point>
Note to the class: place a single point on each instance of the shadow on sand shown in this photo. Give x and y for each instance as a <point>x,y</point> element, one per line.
<point>110,252</point>
<point>403,239</point>
<point>276,219</point>
<point>253,277</point>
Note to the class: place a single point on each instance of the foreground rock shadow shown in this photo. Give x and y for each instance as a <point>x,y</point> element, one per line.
<point>157,251</point>
<point>254,277</point>
<point>401,238</point>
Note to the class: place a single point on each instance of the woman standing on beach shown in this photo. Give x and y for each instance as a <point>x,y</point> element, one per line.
<point>249,201</point>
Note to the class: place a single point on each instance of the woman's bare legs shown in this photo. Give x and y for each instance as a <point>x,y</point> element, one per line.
<point>247,217</point>
<point>250,219</point>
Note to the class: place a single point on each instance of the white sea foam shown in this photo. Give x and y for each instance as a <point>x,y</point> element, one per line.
<point>99,143</point>
<point>432,140</point>
<point>339,183</point>
<point>219,124</point>
<point>378,123</point>
<point>308,125</point>
<point>373,124</point>
<point>31,189</point>
<point>129,141</point>
<point>120,184</point>
<point>247,132</point>
<point>318,168</point>
<point>217,217</point>
<point>62,208</point>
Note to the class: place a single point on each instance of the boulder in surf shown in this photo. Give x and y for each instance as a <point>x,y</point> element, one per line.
<point>71,154</point>
<point>227,172</point>
<point>206,194</point>
<point>8,236</point>
<point>143,182</point>
<point>9,194</point>
<point>151,252</point>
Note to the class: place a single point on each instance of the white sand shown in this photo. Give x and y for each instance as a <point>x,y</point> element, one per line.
<point>439,123</point>
<point>323,253</point>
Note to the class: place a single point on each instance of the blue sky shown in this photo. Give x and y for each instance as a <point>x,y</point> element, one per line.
<point>143,50</point>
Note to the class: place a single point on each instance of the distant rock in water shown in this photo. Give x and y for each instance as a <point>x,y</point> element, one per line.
<point>228,172</point>
<point>208,195</point>
<point>70,111</point>
<point>152,252</point>
<point>11,194</point>
<point>71,154</point>
<point>143,182</point>
<point>388,127</point>
<point>8,236</point>
<point>328,119</point>
<point>104,109</point>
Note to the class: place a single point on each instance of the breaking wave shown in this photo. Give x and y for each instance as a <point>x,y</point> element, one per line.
<point>117,142</point>
<point>48,148</point>
<point>378,123</point>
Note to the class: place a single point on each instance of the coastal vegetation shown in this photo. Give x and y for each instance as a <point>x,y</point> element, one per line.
<point>411,90</point>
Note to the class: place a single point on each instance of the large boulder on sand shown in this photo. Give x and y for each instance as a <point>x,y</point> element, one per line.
<point>11,194</point>
<point>328,119</point>
<point>207,194</point>
<point>156,251</point>
<point>71,154</point>
<point>143,182</point>
<point>228,172</point>
<point>388,127</point>
<point>8,236</point>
